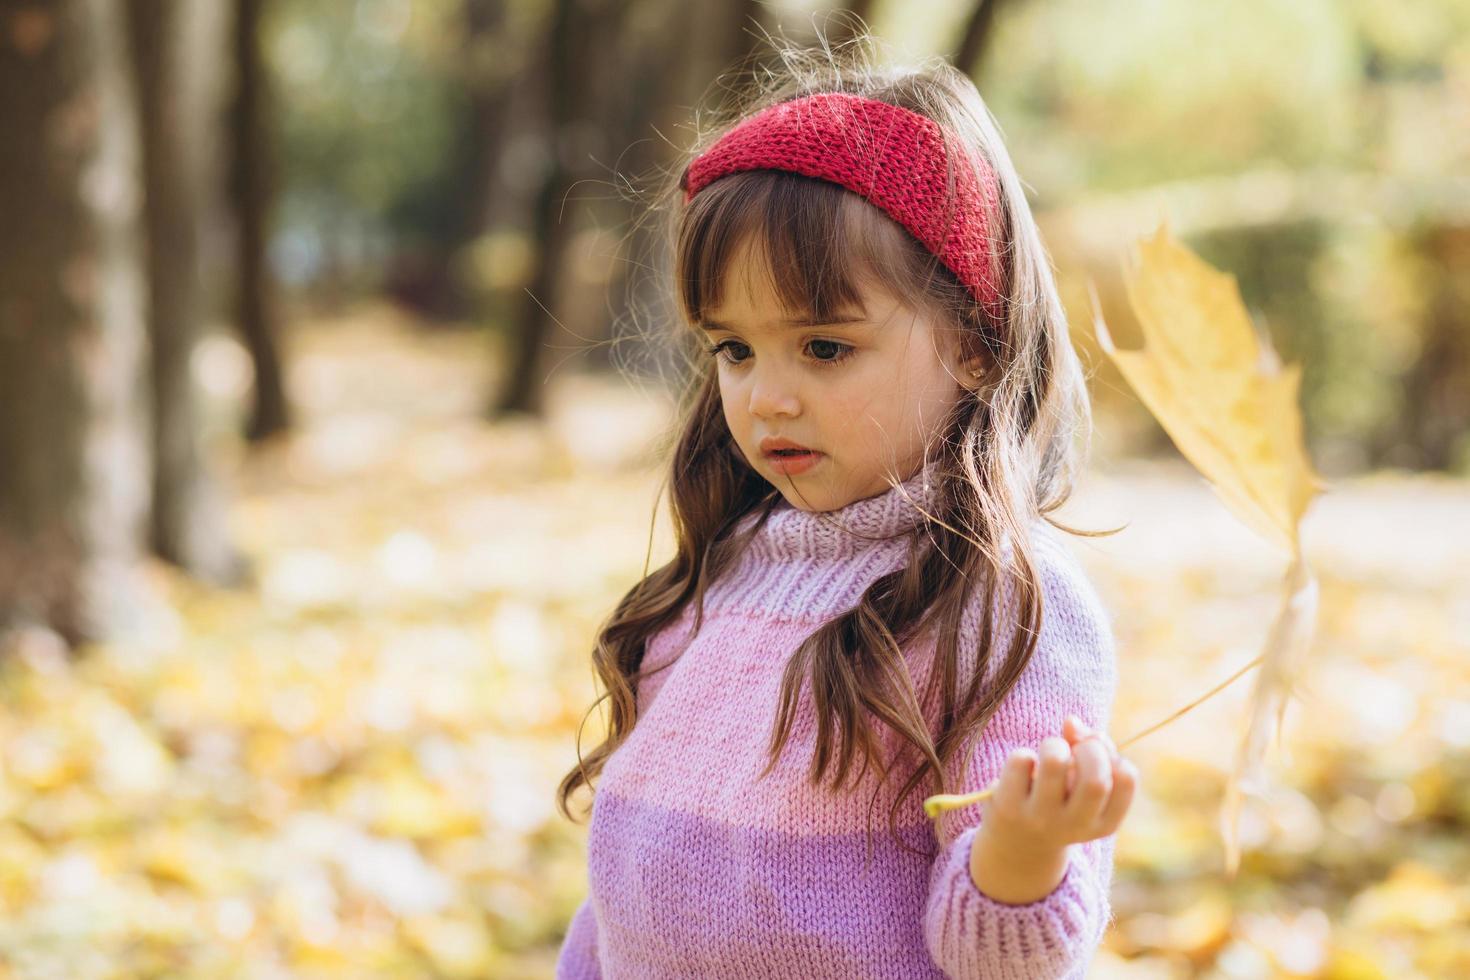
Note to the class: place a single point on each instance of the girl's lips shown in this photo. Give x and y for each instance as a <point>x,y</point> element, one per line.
<point>793,463</point>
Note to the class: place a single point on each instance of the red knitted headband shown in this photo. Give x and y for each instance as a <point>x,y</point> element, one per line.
<point>890,155</point>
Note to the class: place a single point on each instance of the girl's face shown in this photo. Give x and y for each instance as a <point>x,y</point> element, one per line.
<point>864,394</point>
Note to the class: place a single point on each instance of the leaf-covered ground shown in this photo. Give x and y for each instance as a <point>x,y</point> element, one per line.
<point>348,769</point>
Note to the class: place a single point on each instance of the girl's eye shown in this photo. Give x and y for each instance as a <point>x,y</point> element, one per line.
<point>838,350</point>
<point>826,351</point>
<point>721,351</point>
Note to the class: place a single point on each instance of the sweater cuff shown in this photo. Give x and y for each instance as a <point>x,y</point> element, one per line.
<point>974,935</point>
<point>577,959</point>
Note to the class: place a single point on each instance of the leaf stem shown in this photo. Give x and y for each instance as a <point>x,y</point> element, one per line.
<point>940,802</point>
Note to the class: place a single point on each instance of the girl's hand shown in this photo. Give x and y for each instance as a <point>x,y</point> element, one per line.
<point>1076,788</point>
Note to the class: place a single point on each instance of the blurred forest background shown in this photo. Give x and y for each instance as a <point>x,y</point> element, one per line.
<point>334,364</point>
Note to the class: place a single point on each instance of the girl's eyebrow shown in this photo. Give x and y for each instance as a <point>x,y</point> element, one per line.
<point>800,321</point>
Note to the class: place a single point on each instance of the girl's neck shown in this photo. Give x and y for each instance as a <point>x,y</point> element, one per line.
<point>793,534</point>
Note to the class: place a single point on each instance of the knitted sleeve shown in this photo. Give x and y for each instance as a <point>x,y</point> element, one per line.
<point>578,957</point>
<point>1072,671</point>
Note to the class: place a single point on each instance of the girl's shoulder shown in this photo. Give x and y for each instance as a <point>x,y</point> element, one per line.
<point>1074,618</point>
<point>1055,556</point>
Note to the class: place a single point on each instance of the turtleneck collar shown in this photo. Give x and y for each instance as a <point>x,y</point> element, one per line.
<point>790,533</point>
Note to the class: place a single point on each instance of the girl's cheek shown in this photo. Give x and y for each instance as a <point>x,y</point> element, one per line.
<point>854,414</point>
<point>859,390</point>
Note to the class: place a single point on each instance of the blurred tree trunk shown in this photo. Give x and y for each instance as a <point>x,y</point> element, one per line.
<point>432,277</point>
<point>576,36</point>
<point>975,37</point>
<point>741,32</point>
<point>664,73</point>
<point>1434,429</point>
<point>492,59</point>
<point>74,458</point>
<point>857,15</point>
<point>188,521</point>
<point>252,188</point>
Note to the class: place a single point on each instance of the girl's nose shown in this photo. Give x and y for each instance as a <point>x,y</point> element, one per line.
<point>771,396</point>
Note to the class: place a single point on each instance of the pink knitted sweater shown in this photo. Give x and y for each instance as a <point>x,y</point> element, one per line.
<point>699,870</point>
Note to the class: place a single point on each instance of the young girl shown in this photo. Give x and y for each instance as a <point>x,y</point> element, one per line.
<point>867,604</point>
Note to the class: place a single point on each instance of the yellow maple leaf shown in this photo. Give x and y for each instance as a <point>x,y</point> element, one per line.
<point>1217,387</point>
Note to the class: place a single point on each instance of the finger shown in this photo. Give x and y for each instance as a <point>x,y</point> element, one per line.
<point>1108,747</point>
<point>1014,787</point>
<point>1125,785</point>
<point>1077,731</point>
<point>1049,789</point>
<point>1074,729</point>
<point>1093,782</point>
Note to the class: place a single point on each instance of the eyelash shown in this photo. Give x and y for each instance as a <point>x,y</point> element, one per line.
<point>845,351</point>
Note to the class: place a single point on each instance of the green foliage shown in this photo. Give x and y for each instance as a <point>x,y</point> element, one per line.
<point>367,109</point>
<point>1111,96</point>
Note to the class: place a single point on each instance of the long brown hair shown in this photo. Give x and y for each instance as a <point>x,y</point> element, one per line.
<point>1008,456</point>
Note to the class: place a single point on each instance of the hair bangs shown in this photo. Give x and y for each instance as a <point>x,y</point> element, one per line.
<point>813,240</point>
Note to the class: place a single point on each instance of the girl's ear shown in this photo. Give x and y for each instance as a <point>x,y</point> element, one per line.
<point>973,372</point>
<point>974,365</point>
